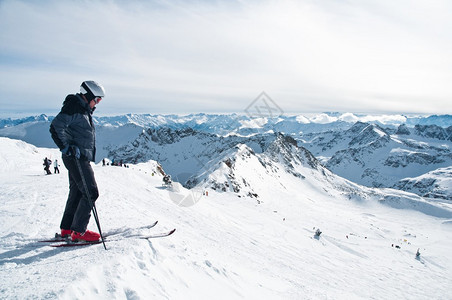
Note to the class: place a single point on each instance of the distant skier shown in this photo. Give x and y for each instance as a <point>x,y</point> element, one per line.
<point>55,167</point>
<point>167,180</point>
<point>46,165</point>
<point>73,132</point>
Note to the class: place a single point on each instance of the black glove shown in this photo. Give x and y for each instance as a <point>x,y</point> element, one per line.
<point>71,150</point>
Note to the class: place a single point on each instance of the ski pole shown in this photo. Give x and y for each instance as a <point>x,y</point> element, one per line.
<point>91,203</point>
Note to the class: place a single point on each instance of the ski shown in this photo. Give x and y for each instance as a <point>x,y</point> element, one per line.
<point>59,238</point>
<point>127,230</point>
<point>53,240</point>
<point>158,235</point>
<point>74,244</point>
<point>138,236</point>
<point>149,236</point>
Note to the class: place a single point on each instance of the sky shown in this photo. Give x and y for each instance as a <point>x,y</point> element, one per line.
<point>164,57</point>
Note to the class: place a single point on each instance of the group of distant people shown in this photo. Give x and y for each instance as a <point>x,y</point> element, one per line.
<point>114,163</point>
<point>47,163</point>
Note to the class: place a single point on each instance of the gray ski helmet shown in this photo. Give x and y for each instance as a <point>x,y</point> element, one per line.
<point>92,89</point>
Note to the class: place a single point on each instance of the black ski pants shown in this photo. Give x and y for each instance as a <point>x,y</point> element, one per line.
<point>78,211</point>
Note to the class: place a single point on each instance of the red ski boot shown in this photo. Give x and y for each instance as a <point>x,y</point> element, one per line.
<point>88,236</point>
<point>65,233</point>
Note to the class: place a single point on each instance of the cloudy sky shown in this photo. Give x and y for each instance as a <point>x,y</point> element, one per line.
<point>370,56</point>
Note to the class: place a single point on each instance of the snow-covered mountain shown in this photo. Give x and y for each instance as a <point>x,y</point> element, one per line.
<point>279,157</point>
<point>371,155</point>
<point>434,184</point>
<point>9,122</point>
<point>376,151</point>
<point>225,247</point>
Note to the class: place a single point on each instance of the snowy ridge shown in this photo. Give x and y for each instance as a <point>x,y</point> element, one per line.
<point>225,246</point>
<point>183,153</point>
<point>243,171</point>
<point>374,156</point>
<point>9,122</point>
<point>434,184</point>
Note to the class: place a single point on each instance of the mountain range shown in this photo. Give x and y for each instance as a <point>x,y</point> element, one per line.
<point>376,151</point>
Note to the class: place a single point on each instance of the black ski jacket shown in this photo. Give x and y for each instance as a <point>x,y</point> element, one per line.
<point>74,126</point>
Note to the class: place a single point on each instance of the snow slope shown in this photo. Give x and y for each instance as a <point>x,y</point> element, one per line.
<point>225,247</point>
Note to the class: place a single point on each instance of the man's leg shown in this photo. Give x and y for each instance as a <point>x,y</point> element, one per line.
<point>73,198</point>
<point>81,209</point>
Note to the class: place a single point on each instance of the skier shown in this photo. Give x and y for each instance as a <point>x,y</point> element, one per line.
<point>55,167</point>
<point>46,165</point>
<point>167,180</point>
<point>73,132</point>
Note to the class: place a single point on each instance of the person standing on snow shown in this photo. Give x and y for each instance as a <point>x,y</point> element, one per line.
<point>46,165</point>
<point>55,167</point>
<point>73,132</point>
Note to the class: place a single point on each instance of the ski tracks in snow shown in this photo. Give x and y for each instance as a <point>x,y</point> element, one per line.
<point>340,245</point>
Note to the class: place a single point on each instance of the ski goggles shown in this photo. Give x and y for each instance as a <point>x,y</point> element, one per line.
<point>97,100</point>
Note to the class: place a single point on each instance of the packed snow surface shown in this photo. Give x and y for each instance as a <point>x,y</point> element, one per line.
<point>225,247</point>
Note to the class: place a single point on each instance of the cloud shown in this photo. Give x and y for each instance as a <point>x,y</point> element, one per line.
<point>189,56</point>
